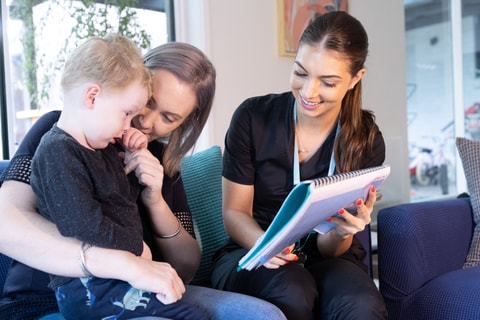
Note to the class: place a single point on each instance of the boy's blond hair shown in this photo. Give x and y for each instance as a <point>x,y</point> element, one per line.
<point>112,62</point>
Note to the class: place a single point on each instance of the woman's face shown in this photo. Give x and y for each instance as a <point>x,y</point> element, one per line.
<point>171,104</point>
<point>320,79</point>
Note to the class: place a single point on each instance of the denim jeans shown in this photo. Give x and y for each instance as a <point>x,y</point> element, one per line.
<point>221,305</point>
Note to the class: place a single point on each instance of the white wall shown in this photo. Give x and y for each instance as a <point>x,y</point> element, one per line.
<point>240,37</point>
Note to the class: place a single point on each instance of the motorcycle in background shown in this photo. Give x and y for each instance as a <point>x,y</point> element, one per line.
<point>430,166</point>
<point>472,121</point>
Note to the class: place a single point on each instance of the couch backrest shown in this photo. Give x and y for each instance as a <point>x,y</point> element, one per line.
<point>202,179</point>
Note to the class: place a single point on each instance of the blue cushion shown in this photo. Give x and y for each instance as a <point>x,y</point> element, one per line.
<point>415,244</point>
<point>202,179</point>
<point>451,296</point>
<point>418,245</point>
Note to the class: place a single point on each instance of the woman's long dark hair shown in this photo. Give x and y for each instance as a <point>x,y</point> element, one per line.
<point>191,66</point>
<point>340,32</point>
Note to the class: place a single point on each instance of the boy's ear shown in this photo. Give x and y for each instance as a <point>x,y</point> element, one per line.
<point>90,94</point>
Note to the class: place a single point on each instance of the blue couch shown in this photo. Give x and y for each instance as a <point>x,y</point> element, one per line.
<point>202,178</point>
<point>421,250</point>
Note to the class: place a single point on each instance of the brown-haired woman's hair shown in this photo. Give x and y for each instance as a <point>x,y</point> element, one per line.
<point>191,66</point>
<point>340,32</point>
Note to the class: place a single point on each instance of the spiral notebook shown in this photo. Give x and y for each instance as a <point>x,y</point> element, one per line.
<point>307,207</point>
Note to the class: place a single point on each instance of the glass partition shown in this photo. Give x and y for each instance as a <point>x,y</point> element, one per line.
<point>441,43</point>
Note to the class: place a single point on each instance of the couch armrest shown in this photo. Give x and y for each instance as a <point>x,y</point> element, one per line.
<point>419,241</point>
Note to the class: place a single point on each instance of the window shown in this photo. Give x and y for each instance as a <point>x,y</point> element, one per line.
<point>443,77</point>
<point>37,38</point>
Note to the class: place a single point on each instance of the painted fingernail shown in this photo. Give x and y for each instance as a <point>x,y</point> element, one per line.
<point>329,219</point>
<point>296,258</point>
<point>372,189</point>
<point>286,251</point>
<point>359,202</point>
<point>341,211</point>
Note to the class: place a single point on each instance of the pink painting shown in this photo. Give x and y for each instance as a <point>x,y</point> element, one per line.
<point>295,15</point>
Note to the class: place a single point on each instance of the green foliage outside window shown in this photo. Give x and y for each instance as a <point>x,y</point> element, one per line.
<point>88,17</point>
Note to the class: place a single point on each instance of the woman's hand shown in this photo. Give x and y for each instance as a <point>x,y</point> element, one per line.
<point>283,258</point>
<point>339,239</point>
<point>351,224</point>
<point>159,277</point>
<point>138,271</point>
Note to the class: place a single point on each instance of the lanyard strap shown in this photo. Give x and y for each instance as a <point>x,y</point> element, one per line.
<point>296,162</point>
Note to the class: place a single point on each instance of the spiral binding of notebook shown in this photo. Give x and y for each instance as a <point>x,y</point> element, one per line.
<point>323,181</point>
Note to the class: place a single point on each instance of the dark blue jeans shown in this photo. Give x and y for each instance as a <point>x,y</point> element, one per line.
<point>95,298</point>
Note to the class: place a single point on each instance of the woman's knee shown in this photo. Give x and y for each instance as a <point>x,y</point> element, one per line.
<point>224,270</point>
<point>346,291</point>
<point>293,290</point>
<point>230,305</point>
<point>355,306</point>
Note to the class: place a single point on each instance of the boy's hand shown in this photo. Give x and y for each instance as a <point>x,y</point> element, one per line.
<point>133,139</point>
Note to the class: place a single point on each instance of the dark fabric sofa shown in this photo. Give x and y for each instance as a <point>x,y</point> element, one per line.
<point>421,250</point>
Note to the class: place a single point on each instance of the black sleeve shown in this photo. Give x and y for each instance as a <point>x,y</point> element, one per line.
<point>238,154</point>
<point>19,168</point>
<point>180,206</point>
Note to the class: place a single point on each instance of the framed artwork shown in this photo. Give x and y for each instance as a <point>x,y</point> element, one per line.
<point>295,15</point>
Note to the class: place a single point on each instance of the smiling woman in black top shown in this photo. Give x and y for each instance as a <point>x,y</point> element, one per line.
<point>275,141</point>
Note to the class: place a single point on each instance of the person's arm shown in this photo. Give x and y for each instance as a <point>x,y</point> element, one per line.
<point>181,250</point>
<point>31,239</point>
<point>339,239</point>
<point>237,213</point>
<point>240,224</point>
